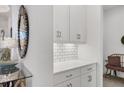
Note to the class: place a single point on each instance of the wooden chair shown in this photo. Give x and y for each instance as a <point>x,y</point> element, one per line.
<point>115,63</point>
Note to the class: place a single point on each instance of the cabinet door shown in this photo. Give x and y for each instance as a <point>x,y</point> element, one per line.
<point>61,23</point>
<point>78,23</point>
<point>89,79</point>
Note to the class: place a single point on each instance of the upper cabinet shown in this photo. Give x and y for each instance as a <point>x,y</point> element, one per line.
<point>61,23</point>
<point>69,23</point>
<point>77,23</point>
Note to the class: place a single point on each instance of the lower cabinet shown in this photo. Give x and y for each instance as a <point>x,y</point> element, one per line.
<point>81,77</point>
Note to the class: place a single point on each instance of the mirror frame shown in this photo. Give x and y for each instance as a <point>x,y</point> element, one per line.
<point>23,46</point>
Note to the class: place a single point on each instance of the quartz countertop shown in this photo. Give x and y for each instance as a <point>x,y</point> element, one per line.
<point>68,65</point>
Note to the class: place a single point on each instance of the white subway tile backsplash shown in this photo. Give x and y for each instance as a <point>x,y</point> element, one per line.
<point>65,52</point>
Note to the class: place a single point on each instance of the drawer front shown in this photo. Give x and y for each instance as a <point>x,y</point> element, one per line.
<point>88,68</point>
<point>61,77</point>
<point>75,82</point>
<point>89,79</point>
<point>64,84</point>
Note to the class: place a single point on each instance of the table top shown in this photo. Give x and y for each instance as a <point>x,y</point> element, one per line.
<point>21,73</point>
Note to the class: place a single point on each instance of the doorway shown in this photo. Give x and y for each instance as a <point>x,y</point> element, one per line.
<point>113,18</point>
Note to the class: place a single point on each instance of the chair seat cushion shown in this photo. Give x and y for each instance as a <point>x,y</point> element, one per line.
<point>115,68</point>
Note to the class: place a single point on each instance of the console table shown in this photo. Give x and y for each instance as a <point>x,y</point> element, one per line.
<point>15,79</point>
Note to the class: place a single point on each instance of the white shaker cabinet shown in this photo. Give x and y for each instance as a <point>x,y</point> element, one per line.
<point>84,76</point>
<point>78,23</point>
<point>69,23</point>
<point>61,23</point>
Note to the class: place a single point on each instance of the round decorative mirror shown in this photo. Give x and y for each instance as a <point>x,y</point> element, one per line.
<point>23,31</point>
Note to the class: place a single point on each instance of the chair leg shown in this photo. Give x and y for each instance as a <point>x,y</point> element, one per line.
<point>110,72</point>
<point>106,71</point>
<point>115,73</point>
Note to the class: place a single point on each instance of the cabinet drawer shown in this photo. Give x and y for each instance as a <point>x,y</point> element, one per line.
<point>89,79</point>
<point>88,68</point>
<point>61,77</point>
<point>63,84</point>
<point>75,82</point>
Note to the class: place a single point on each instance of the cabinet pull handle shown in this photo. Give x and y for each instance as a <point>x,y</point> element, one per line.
<point>70,85</point>
<point>57,34</point>
<point>60,34</point>
<point>89,69</point>
<point>89,78</point>
<point>69,76</point>
<point>78,36</point>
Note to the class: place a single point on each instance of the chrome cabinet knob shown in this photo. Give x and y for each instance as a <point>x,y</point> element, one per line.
<point>89,69</point>
<point>89,78</point>
<point>70,85</point>
<point>59,34</point>
<point>78,36</point>
<point>69,76</point>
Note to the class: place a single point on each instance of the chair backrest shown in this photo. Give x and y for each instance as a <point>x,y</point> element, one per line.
<point>114,61</point>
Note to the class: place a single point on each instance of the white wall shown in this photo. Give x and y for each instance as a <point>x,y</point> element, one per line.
<point>113,31</point>
<point>93,48</point>
<point>4,23</point>
<point>39,59</point>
